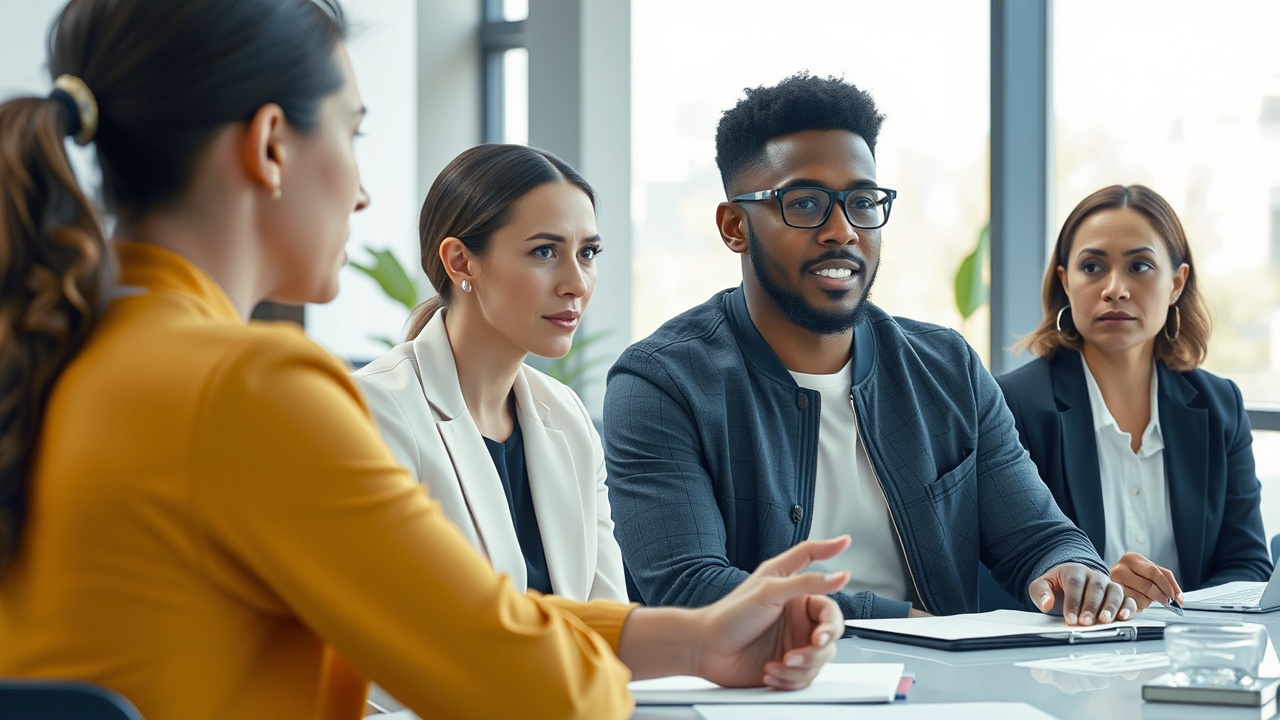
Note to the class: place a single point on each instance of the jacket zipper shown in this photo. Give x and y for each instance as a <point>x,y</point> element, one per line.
<point>883,493</point>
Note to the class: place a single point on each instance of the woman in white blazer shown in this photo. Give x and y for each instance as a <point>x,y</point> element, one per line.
<point>509,241</point>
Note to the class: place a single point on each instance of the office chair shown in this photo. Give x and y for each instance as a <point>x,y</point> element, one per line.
<point>61,700</point>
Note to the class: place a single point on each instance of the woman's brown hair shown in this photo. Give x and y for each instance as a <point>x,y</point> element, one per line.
<point>164,77</point>
<point>473,197</point>
<point>1193,325</point>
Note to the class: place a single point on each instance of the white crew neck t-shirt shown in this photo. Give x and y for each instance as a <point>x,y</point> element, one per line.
<point>848,497</point>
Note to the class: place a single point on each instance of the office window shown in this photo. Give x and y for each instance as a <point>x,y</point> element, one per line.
<point>505,117</point>
<point>1266,453</point>
<point>925,61</point>
<point>1185,101</point>
<point>515,96</point>
<point>514,9</point>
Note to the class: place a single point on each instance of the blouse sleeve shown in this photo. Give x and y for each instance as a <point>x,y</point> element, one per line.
<point>307,512</point>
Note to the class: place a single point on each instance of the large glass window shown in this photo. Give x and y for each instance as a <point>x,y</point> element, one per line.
<point>1185,98</point>
<point>925,61</point>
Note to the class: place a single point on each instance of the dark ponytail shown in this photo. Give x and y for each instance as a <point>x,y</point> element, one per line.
<point>163,79</point>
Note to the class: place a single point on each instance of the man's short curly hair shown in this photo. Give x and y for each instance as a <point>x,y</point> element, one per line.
<point>800,102</point>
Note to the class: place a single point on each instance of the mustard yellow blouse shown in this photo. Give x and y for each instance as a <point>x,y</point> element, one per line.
<point>217,531</point>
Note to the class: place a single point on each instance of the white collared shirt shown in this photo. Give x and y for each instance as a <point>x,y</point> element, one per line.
<point>1135,495</point>
<point>848,497</point>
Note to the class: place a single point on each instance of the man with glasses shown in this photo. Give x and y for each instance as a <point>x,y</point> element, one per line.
<point>792,407</point>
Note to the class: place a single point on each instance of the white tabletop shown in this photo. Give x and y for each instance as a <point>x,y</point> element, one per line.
<point>993,675</point>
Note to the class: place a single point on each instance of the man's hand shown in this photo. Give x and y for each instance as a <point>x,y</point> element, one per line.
<point>1085,595</point>
<point>1145,582</point>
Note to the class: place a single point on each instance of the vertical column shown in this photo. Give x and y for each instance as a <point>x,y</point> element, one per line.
<point>1020,170</point>
<point>580,109</point>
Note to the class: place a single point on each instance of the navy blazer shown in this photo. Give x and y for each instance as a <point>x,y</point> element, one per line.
<point>1214,491</point>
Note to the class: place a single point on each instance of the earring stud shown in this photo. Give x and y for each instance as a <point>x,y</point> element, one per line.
<point>466,286</point>
<point>276,193</point>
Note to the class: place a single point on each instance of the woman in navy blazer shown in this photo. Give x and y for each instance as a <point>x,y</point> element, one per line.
<point>1124,323</point>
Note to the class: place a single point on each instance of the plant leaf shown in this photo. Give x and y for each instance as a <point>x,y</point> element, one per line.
<point>970,283</point>
<point>390,275</point>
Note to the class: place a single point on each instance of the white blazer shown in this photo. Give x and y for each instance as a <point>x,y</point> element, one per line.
<point>416,400</point>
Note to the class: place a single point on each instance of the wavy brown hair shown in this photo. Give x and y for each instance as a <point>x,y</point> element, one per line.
<point>52,259</point>
<point>166,77</point>
<point>1188,351</point>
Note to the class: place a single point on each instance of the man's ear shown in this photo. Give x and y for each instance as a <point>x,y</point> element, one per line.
<point>731,221</point>
<point>262,152</point>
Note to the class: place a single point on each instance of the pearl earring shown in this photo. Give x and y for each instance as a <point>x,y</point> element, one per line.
<point>466,286</point>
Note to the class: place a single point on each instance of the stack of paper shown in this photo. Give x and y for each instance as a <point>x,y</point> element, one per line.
<point>836,683</point>
<point>924,711</point>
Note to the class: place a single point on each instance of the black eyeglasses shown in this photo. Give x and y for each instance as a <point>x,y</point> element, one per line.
<point>805,208</point>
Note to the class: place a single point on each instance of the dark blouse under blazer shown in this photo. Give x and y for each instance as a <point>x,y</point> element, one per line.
<point>1214,491</point>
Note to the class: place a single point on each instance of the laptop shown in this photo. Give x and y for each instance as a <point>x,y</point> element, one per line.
<point>1239,596</point>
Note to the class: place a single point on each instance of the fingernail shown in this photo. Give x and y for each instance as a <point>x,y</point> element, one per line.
<point>1124,614</point>
<point>831,577</point>
<point>1044,601</point>
<point>823,639</point>
<point>770,680</point>
<point>1104,616</point>
<point>1071,618</point>
<point>794,661</point>
<point>1086,619</point>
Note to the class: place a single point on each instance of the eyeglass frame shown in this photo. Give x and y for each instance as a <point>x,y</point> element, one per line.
<point>837,196</point>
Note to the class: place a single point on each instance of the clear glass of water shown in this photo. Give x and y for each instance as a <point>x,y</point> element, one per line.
<point>1215,655</point>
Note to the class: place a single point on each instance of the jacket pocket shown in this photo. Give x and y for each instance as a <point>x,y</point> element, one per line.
<point>955,478</point>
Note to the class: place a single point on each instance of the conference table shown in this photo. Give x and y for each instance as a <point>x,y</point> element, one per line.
<point>996,676</point>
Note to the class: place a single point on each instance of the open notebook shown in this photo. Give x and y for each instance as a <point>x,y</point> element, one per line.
<point>1240,596</point>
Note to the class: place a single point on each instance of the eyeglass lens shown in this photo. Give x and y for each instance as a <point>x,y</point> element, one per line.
<point>807,207</point>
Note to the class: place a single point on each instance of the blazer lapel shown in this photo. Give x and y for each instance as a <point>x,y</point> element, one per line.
<point>468,453</point>
<point>557,487</point>
<point>1079,446</point>
<point>1186,469</point>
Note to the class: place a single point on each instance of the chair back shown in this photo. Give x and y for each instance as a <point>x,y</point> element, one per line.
<point>22,699</point>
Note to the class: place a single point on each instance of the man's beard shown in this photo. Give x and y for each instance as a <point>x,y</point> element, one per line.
<point>794,307</point>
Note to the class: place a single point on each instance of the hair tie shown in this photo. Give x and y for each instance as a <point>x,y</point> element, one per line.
<point>81,105</point>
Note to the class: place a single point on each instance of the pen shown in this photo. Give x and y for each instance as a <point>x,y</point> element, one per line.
<point>1172,606</point>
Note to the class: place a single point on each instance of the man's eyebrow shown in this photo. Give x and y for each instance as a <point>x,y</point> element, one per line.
<point>811,182</point>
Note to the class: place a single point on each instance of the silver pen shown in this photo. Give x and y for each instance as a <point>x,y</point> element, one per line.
<point>1172,606</point>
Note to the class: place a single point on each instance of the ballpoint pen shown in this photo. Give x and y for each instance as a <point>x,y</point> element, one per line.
<point>1172,606</point>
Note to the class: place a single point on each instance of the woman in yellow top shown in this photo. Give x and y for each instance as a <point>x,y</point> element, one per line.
<point>198,512</point>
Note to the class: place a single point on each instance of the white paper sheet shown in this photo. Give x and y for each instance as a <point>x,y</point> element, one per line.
<point>906,711</point>
<point>836,683</point>
<point>997,623</point>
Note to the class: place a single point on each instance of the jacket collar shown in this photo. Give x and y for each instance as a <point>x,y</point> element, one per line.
<point>438,375</point>
<point>145,267</point>
<point>760,354</point>
<point>1079,445</point>
<point>1184,426</point>
<point>552,477</point>
<point>1185,423</point>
